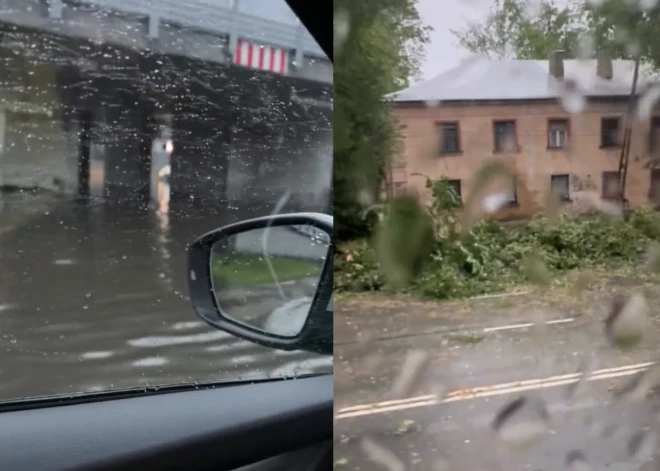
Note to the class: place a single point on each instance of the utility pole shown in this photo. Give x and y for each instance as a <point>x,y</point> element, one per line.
<point>625,147</point>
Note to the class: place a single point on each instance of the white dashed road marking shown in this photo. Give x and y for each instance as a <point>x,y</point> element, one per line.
<point>527,324</point>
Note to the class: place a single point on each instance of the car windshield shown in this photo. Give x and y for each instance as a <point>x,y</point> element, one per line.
<point>127,130</point>
<point>497,234</point>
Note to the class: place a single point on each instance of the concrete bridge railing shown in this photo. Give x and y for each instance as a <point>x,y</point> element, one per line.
<point>215,17</point>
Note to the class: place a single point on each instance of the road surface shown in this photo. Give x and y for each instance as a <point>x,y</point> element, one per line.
<point>94,298</point>
<point>471,367</point>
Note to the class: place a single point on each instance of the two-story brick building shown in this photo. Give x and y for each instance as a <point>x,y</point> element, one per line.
<point>557,125</point>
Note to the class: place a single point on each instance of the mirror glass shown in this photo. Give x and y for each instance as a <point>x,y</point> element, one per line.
<point>266,278</point>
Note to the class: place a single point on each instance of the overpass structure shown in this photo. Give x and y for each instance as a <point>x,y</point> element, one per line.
<point>89,90</point>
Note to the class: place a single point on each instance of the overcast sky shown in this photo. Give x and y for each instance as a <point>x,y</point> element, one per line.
<point>443,53</point>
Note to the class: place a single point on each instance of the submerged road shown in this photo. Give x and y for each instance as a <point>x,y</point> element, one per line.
<point>94,298</point>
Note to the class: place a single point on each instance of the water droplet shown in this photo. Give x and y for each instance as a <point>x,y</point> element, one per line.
<point>88,295</point>
<point>85,306</point>
<point>522,423</point>
<point>576,460</point>
<point>627,320</point>
<point>411,372</point>
<point>641,445</point>
<point>571,98</point>
<point>647,103</point>
<point>381,455</point>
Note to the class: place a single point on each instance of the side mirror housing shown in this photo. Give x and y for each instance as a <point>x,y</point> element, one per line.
<point>267,280</point>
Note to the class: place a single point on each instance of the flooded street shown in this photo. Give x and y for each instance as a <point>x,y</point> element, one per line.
<point>94,297</point>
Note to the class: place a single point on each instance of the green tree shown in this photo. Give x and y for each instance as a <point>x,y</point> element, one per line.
<point>378,52</point>
<point>521,29</point>
<point>525,29</point>
<point>622,29</point>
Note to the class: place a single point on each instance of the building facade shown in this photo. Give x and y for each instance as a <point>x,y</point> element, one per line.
<point>563,146</point>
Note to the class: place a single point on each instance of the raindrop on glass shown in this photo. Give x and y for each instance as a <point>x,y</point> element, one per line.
<point>522,423</point>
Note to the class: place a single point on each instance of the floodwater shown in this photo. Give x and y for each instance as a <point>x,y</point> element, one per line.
<point>93,297</point>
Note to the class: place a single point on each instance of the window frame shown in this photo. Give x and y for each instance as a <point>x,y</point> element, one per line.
<point>567,133</point>
<point>654,199</point>
<point>439,127</point>
<point>654,145</point>
<point>617,144</point>
<point>515,136</point>
<point>605,174</point>
<point>567,197</point>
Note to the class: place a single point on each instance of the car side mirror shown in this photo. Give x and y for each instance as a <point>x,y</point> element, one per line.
<point>267,280</point>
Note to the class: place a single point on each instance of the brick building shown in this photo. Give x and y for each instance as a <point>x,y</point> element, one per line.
<point>556,125</point>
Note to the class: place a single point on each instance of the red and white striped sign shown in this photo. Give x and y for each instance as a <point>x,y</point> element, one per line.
<point>256,56</point>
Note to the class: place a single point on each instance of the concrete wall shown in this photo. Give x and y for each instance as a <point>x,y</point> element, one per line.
<point>533,162</point>
<point>38,153</point>
<point>39,146</point>
<point>273,10</point>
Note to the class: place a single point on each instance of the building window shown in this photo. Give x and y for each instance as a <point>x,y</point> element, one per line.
<point>504,134</point>
<point>557,133</point>
<point>654,135</point>
<point>609,132</point>
<point>654,194</point>
<point>559,186</point>
<point>611,185</point>
<point>513,195</point>
<point>455,186</point>
<point>449,138</point>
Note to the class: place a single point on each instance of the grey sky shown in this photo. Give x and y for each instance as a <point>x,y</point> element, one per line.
<point>443,53</point>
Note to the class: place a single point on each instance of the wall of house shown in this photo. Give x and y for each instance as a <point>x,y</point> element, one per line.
<point>582,159</point>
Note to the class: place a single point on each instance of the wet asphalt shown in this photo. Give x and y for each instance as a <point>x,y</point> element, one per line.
<point>441,422</point>
<point>93,297</point>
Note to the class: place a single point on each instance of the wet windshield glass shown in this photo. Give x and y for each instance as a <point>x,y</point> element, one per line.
<point>127,130</point>
<point>496,273</point>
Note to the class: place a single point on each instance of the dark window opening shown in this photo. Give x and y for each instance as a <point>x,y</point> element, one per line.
<point>560,186</point>
<point>455,186</point>
<point>609,132</point>
<point>504,133</point>
<point>654,135</point>
<point>654,195</point>
<point>449,138</point>
<point>611,185</point>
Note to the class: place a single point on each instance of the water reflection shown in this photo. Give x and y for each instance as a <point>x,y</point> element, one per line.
<point>97,294</point>
<point>266,278</point>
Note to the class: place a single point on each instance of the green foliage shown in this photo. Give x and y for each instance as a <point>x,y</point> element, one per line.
<point>525,29</point>
<point>381,51</point>
<point>492,257</point>
<point>404,240</point>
